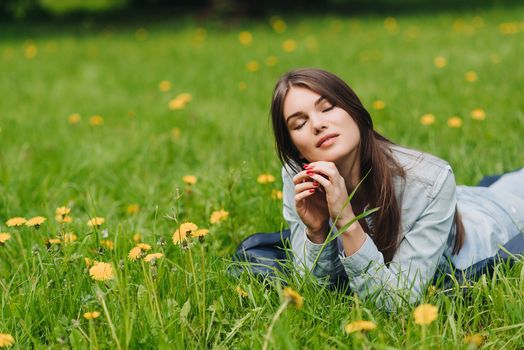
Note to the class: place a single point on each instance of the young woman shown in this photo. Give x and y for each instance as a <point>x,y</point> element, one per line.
<point>325,139</point>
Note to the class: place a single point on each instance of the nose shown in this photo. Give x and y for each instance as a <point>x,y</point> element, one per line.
<point>317,123</point>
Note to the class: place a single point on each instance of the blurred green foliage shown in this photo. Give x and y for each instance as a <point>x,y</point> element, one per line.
<point>20,9</point>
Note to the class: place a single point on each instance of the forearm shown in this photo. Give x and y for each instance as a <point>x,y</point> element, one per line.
<point>353,238</point>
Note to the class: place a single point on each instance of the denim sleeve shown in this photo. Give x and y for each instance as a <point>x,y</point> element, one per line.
<point>417,257</point>
<point>305,252</point>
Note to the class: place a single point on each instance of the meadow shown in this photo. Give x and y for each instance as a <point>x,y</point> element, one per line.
<point>118,133</point>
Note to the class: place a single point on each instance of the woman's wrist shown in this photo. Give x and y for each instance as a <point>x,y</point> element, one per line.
<point>318,235</point>
<point>347,223</point>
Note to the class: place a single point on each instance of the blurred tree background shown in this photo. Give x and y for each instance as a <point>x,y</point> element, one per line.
<point>30,9</point>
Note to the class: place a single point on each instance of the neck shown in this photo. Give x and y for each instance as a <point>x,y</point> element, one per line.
<point>349,168</point>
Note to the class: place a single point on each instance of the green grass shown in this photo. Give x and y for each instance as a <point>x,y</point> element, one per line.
<point>95,68</point>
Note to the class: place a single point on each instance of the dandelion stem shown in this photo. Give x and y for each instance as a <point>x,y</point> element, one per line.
<point>194,279</point>
<point>100,296</point>
<point>203,293</point>
<point>273,321</point>
<point>92,336</point>
<point>152,290</point>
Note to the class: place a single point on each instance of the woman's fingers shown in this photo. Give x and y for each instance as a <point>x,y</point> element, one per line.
<point>306,185</point>
<point>304,194</point>
<point>301,177</point>
<point>325,168</point>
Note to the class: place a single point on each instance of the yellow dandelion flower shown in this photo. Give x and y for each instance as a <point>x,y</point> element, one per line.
<point>289,45</point>
<point>153,256</point>
<point>35,221</point>
<point>31,51</point>
<point>508,28</point>
<point>137,237</point>
<point>199,233</point>
<point>379,105</point>
<point>97,221</point>
<point>425,314</point>
<point>241,292</point>
<point>478,114</point>
<point>144,246</point>
<point>164,85</point>
<point>74,118</point>
<point>175,104</point>
<point>54,241</point>
<point>91,315</point>
<point>4,237</point>
<point>63,219</point>
<point>101,271</point>
<point>133,208</point>
<point>141,34</point>
<point>360,326</point>
<point>474,339</point>
<point>181,233</point>
<point>454,122</point>
<point>440,62</point>
<point>62,211</point>
<point>252,66</point>
<point>278,24</point>
<point>242,86</point>
<point>219,215</point>
<point>245,38</point>
<point>70,237</point>
<point>134,254</point>
<point>96,120</point>
<point>276,194</point>
<point>427,119</point>
<point>88,262</point>
<point>291,295</point>
<point>265,179</point>
<point>271,61</point>
<point>189,179</point>
<point>390,24</point>
<point>16,222</point>
<point>185,97</point>
<point>175,133</point>
<point>471,76</point>
<point>109,244</point>
<point>6,340</point>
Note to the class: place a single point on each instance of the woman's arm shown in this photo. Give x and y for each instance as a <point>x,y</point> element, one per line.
<point>328,264</point>
<point>417,257</point>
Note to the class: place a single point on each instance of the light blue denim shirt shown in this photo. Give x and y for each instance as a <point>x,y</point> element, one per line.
<point>427,197</point>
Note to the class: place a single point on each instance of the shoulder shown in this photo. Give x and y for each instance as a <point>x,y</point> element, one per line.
<point>423,171</point>
<point>429,182</point>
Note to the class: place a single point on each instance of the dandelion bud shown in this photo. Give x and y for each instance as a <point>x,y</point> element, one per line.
<point>154,272</point>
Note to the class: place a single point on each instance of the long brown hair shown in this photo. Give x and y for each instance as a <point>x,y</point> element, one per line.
<point>375,154</point>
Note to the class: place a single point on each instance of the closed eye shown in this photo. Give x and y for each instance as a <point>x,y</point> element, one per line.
<point>328,109</point>
<point>299,126</point>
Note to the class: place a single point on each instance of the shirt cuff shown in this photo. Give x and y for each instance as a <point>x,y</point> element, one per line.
<point>358,262</point>
<point>330,251</point>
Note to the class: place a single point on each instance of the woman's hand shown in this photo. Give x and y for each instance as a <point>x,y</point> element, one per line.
<point>334,185</point>
<point>311,206</point>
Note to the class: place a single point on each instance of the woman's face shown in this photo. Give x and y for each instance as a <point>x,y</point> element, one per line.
<point>319,130</point>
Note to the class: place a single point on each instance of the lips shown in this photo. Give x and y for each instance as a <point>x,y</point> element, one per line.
<point>325,138</point>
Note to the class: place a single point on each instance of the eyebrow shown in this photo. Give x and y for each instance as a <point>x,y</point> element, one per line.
<point>299,113</point>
